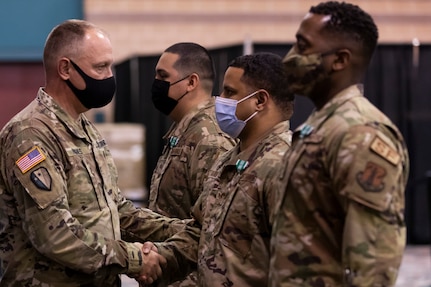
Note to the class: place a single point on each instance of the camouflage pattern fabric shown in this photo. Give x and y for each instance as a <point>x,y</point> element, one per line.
<point>61,212</point>
<point>192,147</point>
<point>235,210</point>
<point>339,217</point>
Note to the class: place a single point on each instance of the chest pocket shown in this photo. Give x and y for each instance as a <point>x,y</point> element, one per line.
<point>175,156</point>
<point>305,158</point>
<point>90,179</point>
<point>179,153</point>
<point>242,216</point>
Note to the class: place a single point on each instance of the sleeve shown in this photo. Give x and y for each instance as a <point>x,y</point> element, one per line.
<point>143,224</point>
<point>206,152</point>
<point>370,174</point>
<point>181,252</point>
<point>38,182</point>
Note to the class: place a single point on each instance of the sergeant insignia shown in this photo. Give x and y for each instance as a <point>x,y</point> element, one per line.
<point>41,178</point>
<point>385,151</point>
<point>173,141</point>
<point>371,179</point>
<point>241,165</point>
<point>29,160</point>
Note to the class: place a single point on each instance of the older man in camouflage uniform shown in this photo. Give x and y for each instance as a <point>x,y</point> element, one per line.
<point>61,211</point>
<point>235,207</point>
<point>339,217</point>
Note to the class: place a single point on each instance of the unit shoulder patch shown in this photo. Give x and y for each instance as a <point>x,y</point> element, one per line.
<point>372,177</point>
<point>41,178</point>
<point>30,159</point>
<point>385,151</point>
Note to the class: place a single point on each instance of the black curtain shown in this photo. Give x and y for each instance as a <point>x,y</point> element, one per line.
<point>396,84</point>
<point>401,88</point>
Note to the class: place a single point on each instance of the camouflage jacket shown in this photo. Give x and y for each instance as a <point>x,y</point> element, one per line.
<point>339,217</point>
<point>235,209</point>
<point>192,147</point>
<point>62,215</point>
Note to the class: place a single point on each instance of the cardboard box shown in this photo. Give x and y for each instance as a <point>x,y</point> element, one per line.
<point>126,142</point>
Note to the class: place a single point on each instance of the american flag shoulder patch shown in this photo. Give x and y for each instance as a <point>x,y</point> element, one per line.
<point>30,159</point>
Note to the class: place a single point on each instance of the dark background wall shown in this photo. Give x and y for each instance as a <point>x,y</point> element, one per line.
<point>393,83</point>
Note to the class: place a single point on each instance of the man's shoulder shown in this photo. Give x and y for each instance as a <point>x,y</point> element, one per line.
<point>355,112</point>
<point>204,127</point>
<point>25,119</point>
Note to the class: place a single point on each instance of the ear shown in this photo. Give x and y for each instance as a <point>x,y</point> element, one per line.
<point>63,68</point>
<point>342,60</point>
<point>262,99</point>
<point>193,82</point>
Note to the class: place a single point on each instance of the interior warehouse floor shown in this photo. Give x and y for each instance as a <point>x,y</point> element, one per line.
<point>415,269</point>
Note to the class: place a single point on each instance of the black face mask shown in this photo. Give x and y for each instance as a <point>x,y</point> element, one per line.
<point>160,95</point>
<point>97,93</point>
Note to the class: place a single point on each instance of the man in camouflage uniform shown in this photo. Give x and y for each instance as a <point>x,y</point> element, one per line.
<point>235,207</point>
<point>63,220</point>
<point>339,217</point>
<point>182,90</point>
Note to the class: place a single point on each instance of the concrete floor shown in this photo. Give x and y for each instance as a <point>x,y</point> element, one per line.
<point>415,269</point>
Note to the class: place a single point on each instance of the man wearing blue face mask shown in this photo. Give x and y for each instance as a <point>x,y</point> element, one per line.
<point>234,210</point>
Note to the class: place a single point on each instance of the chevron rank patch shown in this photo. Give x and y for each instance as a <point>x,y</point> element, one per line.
<point>385,151</point>
<point>30,159</point>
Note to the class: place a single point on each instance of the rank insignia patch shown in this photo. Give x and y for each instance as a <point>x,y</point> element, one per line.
<point>41,178</point>
<point>29,160</point>
<point>385,151</point>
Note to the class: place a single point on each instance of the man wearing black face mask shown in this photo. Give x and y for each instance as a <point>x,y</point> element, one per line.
<point>339,216</point>
<point>63,220</point>
<point>182,90</point>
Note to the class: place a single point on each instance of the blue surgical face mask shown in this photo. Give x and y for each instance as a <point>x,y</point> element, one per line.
<point>226,115</point>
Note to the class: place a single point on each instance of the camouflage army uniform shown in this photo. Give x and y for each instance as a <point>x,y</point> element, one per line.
<point>234,210</point>
<point>60,207</point>
<point>192,146</point>
<point>339,219</point>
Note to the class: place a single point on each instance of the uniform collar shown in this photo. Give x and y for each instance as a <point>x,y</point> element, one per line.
<point>177,129</point>
<point>318,117</point>
<point>242,159</point>
<point>74,126</point>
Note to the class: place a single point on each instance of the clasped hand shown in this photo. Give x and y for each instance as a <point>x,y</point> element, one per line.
<point>152,264</point>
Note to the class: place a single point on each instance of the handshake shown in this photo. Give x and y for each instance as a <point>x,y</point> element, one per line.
<point>153,263</point>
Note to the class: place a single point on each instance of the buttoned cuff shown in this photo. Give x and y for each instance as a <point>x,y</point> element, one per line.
<point>135,262</point>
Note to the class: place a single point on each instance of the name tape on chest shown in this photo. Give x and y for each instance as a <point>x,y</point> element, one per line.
<point>385,151</point>
<point>30,159</point>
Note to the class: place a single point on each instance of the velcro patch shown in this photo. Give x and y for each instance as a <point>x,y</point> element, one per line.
<point>385,151</point>
<point>41,178</point>
<point>371,178</point>
<point>30,159</point>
